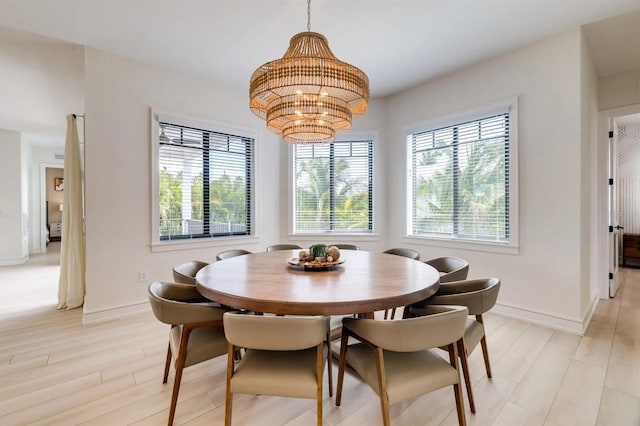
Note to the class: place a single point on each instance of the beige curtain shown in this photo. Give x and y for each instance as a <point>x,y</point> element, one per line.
<point>71,288</point>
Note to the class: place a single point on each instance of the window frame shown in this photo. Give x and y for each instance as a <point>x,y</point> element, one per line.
<point>158,244</point>
<point>345,237</point>
<point>509,105</point>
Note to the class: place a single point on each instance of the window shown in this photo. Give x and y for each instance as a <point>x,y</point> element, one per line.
<point>204,182</point>
<point>460,182</point>
<point>333,187</point>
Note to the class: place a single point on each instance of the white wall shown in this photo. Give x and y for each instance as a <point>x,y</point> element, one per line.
<point>619,90</point>
<point>13,249</point>
<point>544,280</point>
<point>42,81</point>
<point>588,171</point>
<point>119,95</point>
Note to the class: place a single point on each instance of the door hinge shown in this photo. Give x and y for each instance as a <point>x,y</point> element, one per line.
<point>610,228</point>
<point>610,275</point>
<point>610,181</point>
<point>610,133</point>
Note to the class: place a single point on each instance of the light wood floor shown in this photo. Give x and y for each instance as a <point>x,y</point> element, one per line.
<point>55,371</point>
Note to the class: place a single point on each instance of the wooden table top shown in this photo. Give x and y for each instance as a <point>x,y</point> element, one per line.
<point>365,282</point>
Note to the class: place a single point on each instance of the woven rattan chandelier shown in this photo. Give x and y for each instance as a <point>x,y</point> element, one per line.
<point>308,95</point>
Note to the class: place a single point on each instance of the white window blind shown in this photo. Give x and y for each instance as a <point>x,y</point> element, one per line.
<point>205,180</point>
<point>333,186</point>
<point>459,180</point>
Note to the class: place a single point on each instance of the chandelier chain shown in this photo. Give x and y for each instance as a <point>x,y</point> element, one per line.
<point>308,15</point>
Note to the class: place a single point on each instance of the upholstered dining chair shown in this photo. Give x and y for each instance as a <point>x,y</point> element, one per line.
<point>277,247</point>
<point>345,246</point>
<point>185,273</point>
<point>450,268</point>
<point>196,333</point>
<point>284,356</point>
<point>404,252</point>
<point>479,296</point>
<point>231,253</point>
<point>396,360</point>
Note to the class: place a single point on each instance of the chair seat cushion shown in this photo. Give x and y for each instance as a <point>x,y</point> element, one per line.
<point>204,343</point>
<point>408,373</point>
<point>473,333</point>
<point>280,373</point>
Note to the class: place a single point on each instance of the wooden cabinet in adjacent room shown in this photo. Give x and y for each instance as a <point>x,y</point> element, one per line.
<point>631,249</point>
<point>56,231</point>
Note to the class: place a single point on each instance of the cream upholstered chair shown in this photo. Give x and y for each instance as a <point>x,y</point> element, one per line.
<point>395,358</point>
<point>404,252</point>
<point>277,247</point>
<point>231,253</point>
<point>479,296</point>
<point>185,273</point>
<point>284,356</point>
<point>450,268</point>
<point>345,246</point>
<point>196,333</point>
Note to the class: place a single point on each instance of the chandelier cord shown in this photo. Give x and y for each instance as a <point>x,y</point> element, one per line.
<point>308,15</point>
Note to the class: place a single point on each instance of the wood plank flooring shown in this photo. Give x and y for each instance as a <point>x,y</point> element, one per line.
<point>54,371</point>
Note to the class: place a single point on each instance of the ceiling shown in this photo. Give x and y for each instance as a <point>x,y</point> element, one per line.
<point>398,44</point>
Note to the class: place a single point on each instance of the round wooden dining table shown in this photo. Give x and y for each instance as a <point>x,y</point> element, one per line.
<point>364,283</point>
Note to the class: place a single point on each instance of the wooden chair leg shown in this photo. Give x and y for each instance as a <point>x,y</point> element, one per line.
<point>465,372</point>
<point>341,366</point>
<point>390,313</point>
<point>330,363</point>
<point>485,350</point>
<point>176,389</point>
<point>382,386</point>
<point>228,397</point>
<point>485,354</point>
<point>457,389</point>
<point>180,359</point>
<point>167,365</point>
<point>319,379</point>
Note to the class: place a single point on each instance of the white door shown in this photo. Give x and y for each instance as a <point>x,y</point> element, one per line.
<point>614,224</point>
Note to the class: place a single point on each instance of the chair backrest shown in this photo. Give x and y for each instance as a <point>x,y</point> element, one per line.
<point>478,295</point>
<point>176,303</point>
<point>450,268</point>
<point>231,253</point>
<point>277,247</point>
<point>345,246</point>
<point>185,273</point>
<point>443,325</point>
<point>277,333</point>
<point>405,252</point>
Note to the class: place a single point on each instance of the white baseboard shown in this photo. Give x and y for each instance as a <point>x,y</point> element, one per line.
<point>557,322</point>
<point>14,261</point>
<point>114,313</point>
<point>589,314</point>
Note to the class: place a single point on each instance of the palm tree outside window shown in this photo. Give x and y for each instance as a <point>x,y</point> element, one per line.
<point>333,187</point>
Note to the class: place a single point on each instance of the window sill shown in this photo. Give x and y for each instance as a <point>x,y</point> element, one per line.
<point>483,246</point>
<point>175,245</point>
<point>334,236</point>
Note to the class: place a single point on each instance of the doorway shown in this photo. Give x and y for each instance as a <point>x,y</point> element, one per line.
<point>618,202</point>
<point>50,203</point>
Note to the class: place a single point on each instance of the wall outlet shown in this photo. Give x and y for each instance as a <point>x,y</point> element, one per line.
<point>143,276</point>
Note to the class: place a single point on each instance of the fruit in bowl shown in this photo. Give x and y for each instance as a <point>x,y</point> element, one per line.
<point>319,253</point>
